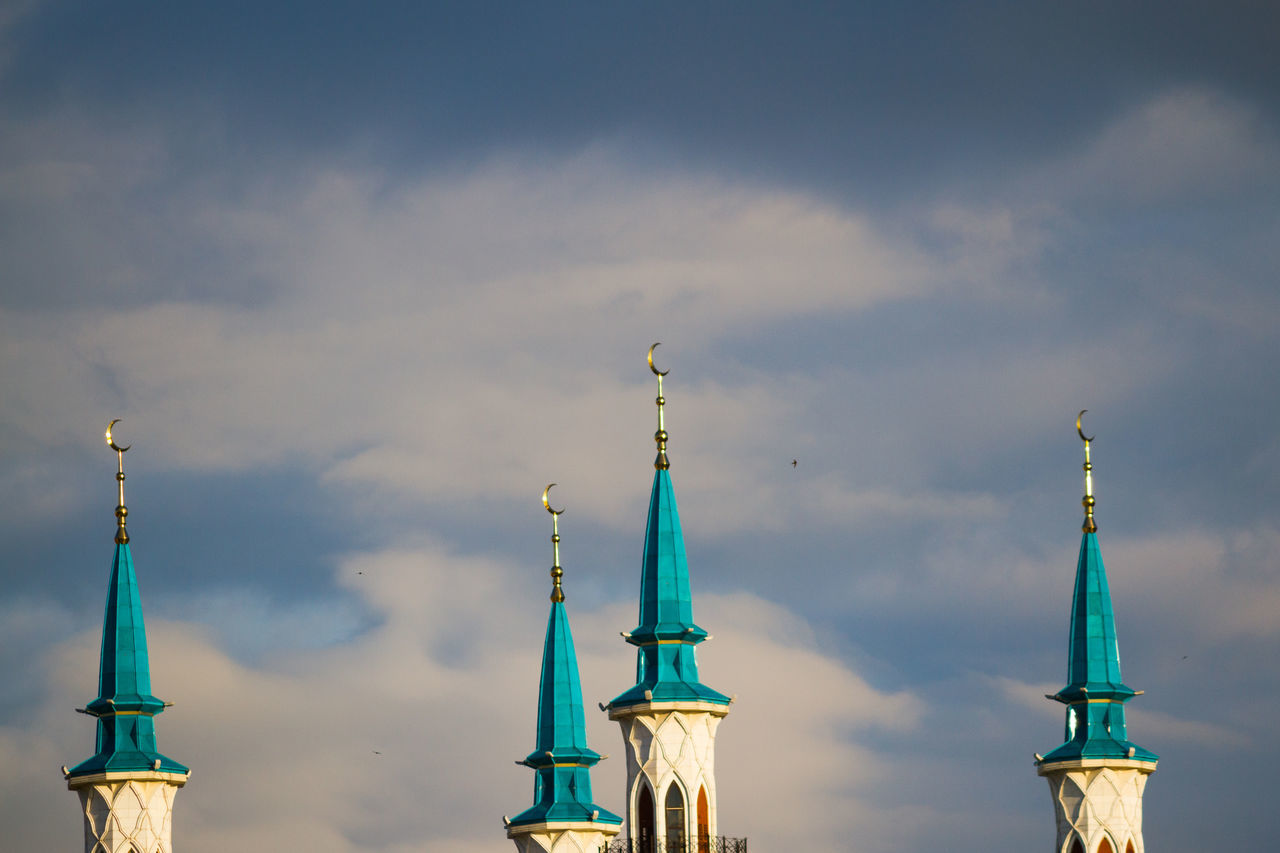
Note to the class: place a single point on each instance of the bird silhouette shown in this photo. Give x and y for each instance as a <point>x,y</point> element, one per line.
<point>795,462</point>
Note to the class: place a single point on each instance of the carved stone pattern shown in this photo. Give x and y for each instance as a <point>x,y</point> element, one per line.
<point>1097,802</point>
<point>128,816</point>
<point>667,745</point>
<point>562,841</point>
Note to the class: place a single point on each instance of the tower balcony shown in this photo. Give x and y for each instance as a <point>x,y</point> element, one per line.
<point>705,844</point>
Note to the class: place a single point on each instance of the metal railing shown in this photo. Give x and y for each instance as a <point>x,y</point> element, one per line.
<point>704,844</point>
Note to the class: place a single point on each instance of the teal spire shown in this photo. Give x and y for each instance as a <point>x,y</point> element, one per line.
<point>667,636</point>
<point>561,758</point>
<point>1095,694</point>
<point>125,708</point>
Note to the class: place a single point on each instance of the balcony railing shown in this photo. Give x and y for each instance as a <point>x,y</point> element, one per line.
<point>705,844</point>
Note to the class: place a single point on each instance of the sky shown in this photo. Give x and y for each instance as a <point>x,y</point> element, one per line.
<point>361,279</point>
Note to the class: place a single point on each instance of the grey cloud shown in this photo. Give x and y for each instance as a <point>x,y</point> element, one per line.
<point>285,750</point>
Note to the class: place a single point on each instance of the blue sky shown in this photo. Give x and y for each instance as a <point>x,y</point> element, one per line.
<point>360,282</point>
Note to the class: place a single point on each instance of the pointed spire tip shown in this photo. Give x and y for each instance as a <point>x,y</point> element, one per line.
<point>557,591</point>
<point>1089,526</point>
<point>122,512</point>
<point>661,462</point>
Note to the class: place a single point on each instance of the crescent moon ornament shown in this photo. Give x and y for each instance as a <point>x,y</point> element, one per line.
<point>111,442</point>
<point>546,501</point>
<point>1079,430</point>
<point>656,371</point>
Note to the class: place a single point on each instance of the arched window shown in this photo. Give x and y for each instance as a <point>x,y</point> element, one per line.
<point>704,822</point>
<point>1104,846</point>
<point>1076,846</point>
<point>644,817</point>
<point>1129,849</point>
<point>675,819</point>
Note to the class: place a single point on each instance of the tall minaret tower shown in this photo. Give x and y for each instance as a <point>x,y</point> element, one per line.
<point>1097,777</point>
<point>562,819</point>
<point>669,718</point>
<point>127,788</point>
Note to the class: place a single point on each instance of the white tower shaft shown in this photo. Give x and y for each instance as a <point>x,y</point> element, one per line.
<point>1098,804</point>
<point>128,812</point>
<point>671,782</point>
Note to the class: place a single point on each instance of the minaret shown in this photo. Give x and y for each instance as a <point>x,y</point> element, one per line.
<point>563,819</point>
<point>1097,777</point>
<point>669,718</point>
<point>127,788</point>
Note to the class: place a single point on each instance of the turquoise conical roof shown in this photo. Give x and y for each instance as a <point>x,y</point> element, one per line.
<point>667,636</point>
<point>562,759</point>
<point>1095,692</point>
<point>125,707</point>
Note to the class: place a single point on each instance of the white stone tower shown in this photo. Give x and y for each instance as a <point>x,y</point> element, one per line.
<point>127,788</point>
<point>669,718</point>
<point>1098,775</point>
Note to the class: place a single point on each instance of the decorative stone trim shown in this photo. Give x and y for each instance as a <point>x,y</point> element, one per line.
<point>562,837</point>
<point>128,813</point>
<point>1095,799</point>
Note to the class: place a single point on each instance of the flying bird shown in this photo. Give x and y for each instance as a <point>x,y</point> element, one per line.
<point>795,462</point>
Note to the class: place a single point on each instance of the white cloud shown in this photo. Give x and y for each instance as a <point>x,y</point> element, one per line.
<point>1188,142</point>
<point>1154,726</point>
<point>284,751</point>
<point>1220,585</point>
<point>445,338</point>
<point>464,339</point>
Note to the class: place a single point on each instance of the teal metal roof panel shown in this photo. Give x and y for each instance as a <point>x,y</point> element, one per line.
<point>1093,661</point>
<point>562,760</point>
<point>561,721</point>
<point>571,811</point>
<point>1098,730</point>
<point>1095,691</point>
<point>125,707</point>
<point>666,660</point>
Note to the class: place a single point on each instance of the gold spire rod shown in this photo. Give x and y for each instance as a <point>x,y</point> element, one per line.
<point>661,463</point>
<point>122,536</point>
<point>557,592</point>
<point>1087,502</point>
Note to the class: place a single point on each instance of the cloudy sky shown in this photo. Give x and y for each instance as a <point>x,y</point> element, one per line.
<point>361,281</point>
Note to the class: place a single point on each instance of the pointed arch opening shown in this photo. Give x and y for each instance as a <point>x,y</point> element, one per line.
<point>673,809</point>
<point>1077,847</point>
<point>1104,846</point>
<point>1129,848</point>
<point>704,821</point>
<point>644,820</point>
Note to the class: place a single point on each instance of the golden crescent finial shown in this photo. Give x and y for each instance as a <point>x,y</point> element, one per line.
<point>661,463</point>
<point>1079,430</point>
<point>122,535</point>
<point>111,442</point>
<point>656,371</point>
<point>546,501</point>
<point>557,592</point>
<point>1088,502</point>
